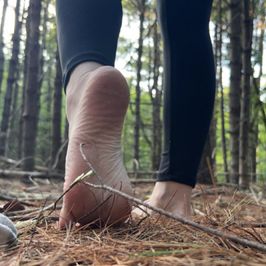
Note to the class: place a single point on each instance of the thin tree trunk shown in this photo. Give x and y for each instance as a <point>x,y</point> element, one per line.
<point>255,127</point>
<point>49,94</point>
<point>235,86</point>
<point>223,132</point>
<point>244,169</point>
<point>11,81</point>
<point>44,20</point>
<point>206,170</point>
<point>62,156</point>
<point>43,151</point>
<point>2,45</point>
<point>49,105</point>
<point>156,98</point>
<point>57,106</point>
<point>13,132</point>
<point>142,7</point>
<point>219,62</point>
<point>30,115</point>
<point>23,96</point>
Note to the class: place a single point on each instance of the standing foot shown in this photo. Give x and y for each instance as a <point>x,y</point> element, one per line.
<point>169,196</point>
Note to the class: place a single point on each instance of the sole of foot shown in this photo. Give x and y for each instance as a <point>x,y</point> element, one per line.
<point>97,101</point>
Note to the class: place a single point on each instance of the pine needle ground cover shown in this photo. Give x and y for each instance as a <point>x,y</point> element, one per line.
<point>153,241</point>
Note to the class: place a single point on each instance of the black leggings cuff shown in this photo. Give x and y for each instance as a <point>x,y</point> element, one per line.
<point>81,58</point>
<point>186,180</point>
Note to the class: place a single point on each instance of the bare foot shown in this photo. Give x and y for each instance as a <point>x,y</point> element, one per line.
<point>97,100</point>
<point>170,196</point>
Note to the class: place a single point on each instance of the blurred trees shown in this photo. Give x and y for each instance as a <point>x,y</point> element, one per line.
<point>12,79</point>
<point>2,45</point>
<point>32,111</point>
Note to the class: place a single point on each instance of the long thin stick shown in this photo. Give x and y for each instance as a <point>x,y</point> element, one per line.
<point>242,241</point>
<point>79,179</point>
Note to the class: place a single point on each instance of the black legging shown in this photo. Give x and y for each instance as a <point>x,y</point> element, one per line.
<point>88,30</point>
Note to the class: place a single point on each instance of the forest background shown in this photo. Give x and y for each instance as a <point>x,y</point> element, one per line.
<point>32,105</point>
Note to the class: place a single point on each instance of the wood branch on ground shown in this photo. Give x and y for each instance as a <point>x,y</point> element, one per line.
<point>20,173</point>
<point>209,230</point>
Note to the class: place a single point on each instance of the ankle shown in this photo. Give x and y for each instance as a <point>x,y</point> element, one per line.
<point>164,189</point>
<point>79,73</point>
<point>172,196</point>
<point>77,81</point>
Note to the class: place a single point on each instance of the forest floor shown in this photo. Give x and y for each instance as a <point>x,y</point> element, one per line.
<point>153,241</point>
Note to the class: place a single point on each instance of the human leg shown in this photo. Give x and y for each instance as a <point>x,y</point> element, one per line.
<point>97,99</point>
<point>189,89</point>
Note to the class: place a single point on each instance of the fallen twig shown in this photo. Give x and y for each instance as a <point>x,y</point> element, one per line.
<point>242,241</point>
<point>79,179</point>
<point>251,224</point>
<point>16,164</point>
<point>14,173</point>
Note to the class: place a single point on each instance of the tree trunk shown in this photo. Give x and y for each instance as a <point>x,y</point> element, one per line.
<point>244,170</point>
<point>2,56</point>
<point>206,172</point>
<point>220,79</point>
<point>142,8</point>
<point>23,96</point>
<point>11,81</point>
<point>30,114</point>
<point>235,86</point>
<point>223,132</point>
<point>62,155</point>
<point>255,126</point>
<point>156,99</point>
<point>44,20</point>
<point>57,106</point>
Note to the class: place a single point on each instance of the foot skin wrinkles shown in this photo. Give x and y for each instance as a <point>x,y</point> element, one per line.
<point>97,101</point>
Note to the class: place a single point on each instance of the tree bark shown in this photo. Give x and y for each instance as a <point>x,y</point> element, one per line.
<point>206,172</point>
<point>57,106</point>
<point>62,155</point>
<point>220,79</point>
<point>156,99</point>
<point>244,170</point>
<point>235,86</point>
<point>136,155</point>
<point>44,19</point>
<point>11,81</point>
<point>23,96</point>
<point>2,45</point>
<point>30,114</point>
<point>255,125</point>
